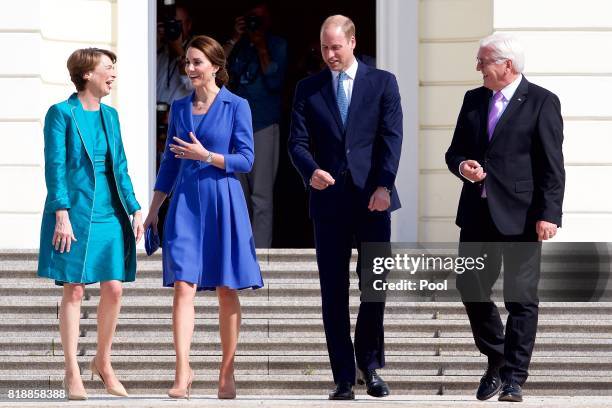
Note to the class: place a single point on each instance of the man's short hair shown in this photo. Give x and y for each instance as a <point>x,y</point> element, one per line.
<point>338,20</point>
<point>506,47</point>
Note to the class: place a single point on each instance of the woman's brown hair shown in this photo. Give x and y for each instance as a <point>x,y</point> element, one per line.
<point>84,60</point>
<point>215,54</point>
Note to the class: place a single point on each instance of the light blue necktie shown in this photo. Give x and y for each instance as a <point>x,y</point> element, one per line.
<point>341,98</point>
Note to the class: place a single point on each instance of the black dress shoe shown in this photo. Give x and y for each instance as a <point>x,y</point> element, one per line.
<point>376,386</point>
<point>343,391</point>
<point>490,384</point>
<point>511,392</point>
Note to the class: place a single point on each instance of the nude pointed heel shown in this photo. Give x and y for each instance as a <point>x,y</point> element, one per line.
<point>72,396</point>
<point>118,390</point>
<point>182,393</point>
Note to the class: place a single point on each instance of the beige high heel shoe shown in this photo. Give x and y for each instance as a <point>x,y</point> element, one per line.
<point>231,393</point>
<point>182,393</point>
<point>117,390</point>
<point>73,396</point>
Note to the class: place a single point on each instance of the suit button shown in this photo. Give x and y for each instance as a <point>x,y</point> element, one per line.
<point>348,151</point>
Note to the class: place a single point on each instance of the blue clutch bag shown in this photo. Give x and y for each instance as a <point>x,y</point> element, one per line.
<point>151,241</point>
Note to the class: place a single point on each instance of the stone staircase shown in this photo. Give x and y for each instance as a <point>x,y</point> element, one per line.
<point>282,350</point>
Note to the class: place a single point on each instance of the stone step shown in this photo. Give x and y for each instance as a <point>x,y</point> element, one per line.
<point>398,365</point>
<point>409,327</point>
<point>264,255</point>
<point>153,269</point>
<point>17,307</point>
<point>208,343</point>
<point>297,267</point>
<point>282,350</point>
<point>317,384</point>
<point>35,287</point>
<point>559,251</point>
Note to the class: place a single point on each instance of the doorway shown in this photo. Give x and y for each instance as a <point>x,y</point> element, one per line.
<point>298,23</point>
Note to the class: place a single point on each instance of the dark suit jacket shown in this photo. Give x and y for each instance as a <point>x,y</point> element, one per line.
<point>525,178</point>
<point>369,147</point>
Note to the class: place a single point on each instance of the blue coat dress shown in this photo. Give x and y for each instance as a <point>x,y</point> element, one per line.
<point>207,238</point>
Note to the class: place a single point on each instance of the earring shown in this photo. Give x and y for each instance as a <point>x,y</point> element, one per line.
<point>214,74</point>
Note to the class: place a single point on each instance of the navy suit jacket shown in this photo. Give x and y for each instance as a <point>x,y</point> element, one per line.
<point>369,146</point>
<point>525,179</point>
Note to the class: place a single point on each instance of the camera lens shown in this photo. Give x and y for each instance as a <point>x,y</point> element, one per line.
<point>173,29</point>
<point>253,23</point>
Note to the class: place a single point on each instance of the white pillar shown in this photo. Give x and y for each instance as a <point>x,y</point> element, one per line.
<point>397,46</point>
<point>135,99</point>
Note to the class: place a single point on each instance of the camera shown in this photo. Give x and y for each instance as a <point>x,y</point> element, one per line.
<point>173,28</point>
<point>253,23</point>
<point>162,110</point>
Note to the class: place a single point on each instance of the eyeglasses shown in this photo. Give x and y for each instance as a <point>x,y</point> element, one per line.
<point>480,61</point>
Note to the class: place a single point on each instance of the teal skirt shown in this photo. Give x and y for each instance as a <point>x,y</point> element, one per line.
<point>105,256</point>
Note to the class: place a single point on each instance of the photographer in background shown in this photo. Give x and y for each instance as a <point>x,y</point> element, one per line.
<point>257,62</point>
<point>173,32</point>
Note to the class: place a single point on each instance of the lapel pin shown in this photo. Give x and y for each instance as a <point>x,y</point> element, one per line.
<point>519,99</point>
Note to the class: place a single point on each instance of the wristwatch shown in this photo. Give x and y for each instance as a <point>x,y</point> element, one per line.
<point>209,159</point>
<point>388,190</point>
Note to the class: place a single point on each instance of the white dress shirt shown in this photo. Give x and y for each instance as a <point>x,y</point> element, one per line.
<point>348,82</point>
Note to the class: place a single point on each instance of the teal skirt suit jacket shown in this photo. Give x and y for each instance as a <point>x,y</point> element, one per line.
<point>86,173</point>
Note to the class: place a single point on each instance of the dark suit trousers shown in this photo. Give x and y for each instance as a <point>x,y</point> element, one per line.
<point>513,350</point>
<point>334,238</point>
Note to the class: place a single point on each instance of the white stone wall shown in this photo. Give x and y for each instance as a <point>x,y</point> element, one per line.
<point>568,51</point>
<point>567,46</point>
<point>397,50</point>
<point>449,31</point>
<point>36,38</point>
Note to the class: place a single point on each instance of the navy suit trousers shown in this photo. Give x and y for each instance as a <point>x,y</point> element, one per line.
<point>334,239</point>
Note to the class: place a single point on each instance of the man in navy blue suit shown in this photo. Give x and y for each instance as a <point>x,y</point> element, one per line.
<point>345,141</point>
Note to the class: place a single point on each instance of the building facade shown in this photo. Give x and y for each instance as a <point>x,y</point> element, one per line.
<point>429,44</point>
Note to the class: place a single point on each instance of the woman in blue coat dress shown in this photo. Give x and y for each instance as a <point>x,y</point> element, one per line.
<point>86,234</point>
<point>208,242</point>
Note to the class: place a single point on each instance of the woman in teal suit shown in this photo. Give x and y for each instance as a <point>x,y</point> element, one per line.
<point>86,234</point>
